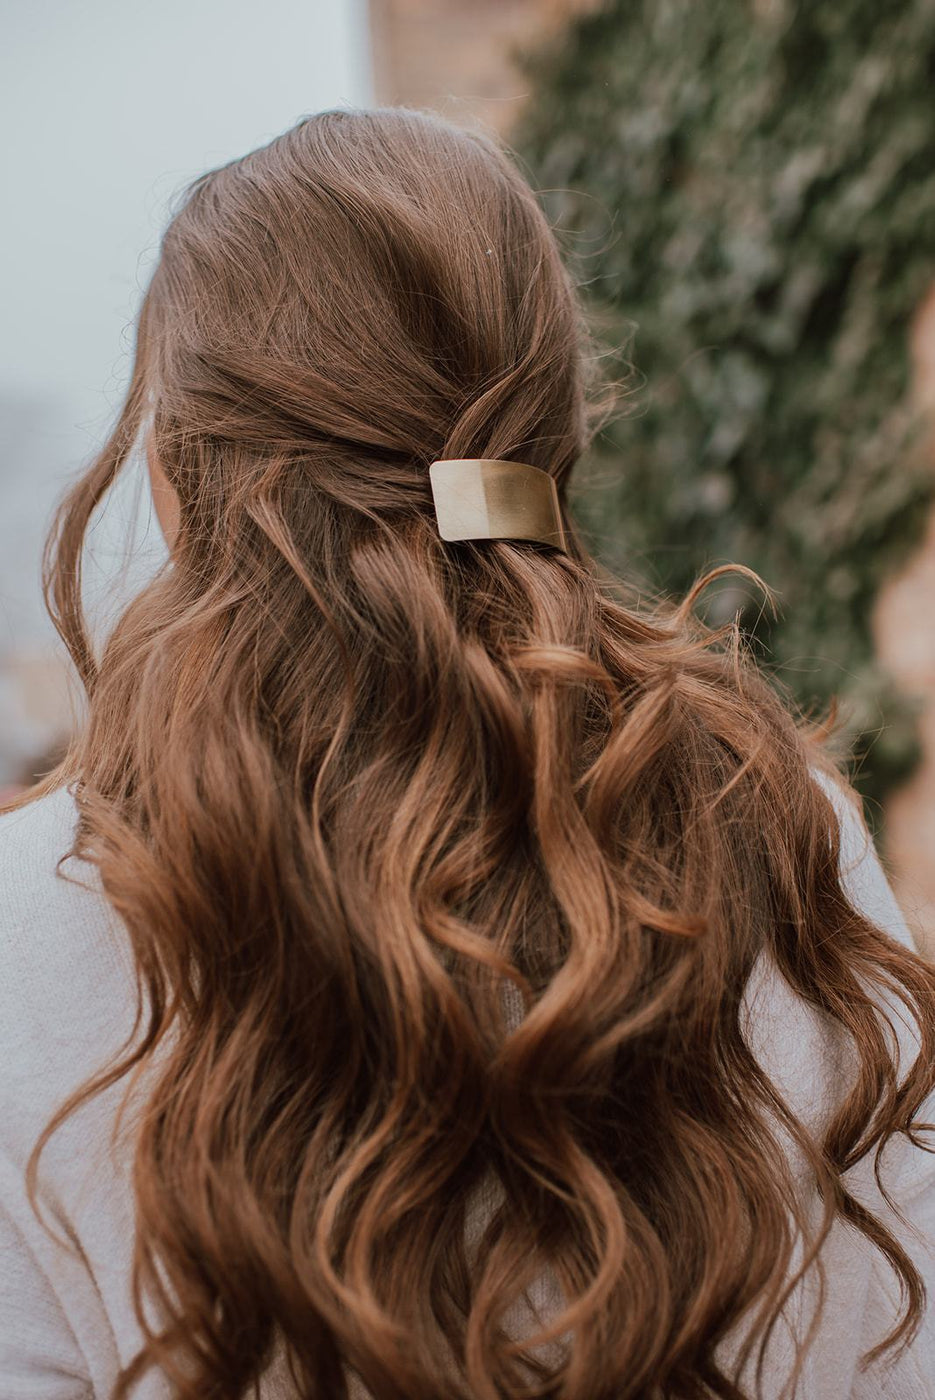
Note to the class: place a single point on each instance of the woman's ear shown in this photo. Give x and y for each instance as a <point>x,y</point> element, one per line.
<point>165,501</point>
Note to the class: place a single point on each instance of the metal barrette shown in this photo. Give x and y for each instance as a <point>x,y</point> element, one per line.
<point>478,498</point>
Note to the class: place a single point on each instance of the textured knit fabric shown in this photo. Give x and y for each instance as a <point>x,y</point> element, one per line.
<point>67,1002</point>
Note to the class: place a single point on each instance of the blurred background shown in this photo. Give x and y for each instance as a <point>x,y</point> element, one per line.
<point>746,192</point>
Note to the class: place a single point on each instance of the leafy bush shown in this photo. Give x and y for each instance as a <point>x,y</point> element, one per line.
<point>748,193</point>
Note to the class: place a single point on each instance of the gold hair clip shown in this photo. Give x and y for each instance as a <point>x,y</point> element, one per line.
<point>481,499</point>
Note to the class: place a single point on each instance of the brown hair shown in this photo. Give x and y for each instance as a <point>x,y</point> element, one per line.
<point>344,783</point>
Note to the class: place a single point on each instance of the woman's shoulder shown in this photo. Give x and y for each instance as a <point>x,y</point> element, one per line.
<point>862,875</point>
<point>33,838</point>
<point>67,1005</point>
<point>66,972</point>
<point>805,1053</point>
<point>53,912</point>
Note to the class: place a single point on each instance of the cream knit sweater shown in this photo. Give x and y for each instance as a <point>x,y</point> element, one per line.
<point>66,1002</point>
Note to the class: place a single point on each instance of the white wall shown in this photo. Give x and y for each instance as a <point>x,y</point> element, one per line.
<point>108,107</point>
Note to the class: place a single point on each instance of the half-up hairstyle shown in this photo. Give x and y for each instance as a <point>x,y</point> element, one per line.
<point>443,865</point>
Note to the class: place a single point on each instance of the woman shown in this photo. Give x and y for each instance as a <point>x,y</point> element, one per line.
<point>496,991</point>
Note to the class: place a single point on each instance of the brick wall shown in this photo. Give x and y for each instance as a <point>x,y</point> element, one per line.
<point>458,56</point>
<point>904,628</point>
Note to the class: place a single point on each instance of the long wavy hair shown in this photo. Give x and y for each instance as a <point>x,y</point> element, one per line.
<point>442,864</point>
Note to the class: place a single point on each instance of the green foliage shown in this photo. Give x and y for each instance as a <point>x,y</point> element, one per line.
<point>747,188</point>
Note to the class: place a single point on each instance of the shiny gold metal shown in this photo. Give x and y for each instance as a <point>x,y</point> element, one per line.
<point>477,498</point>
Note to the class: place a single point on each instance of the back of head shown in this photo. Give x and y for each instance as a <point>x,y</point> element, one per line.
<point>346,782</point>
